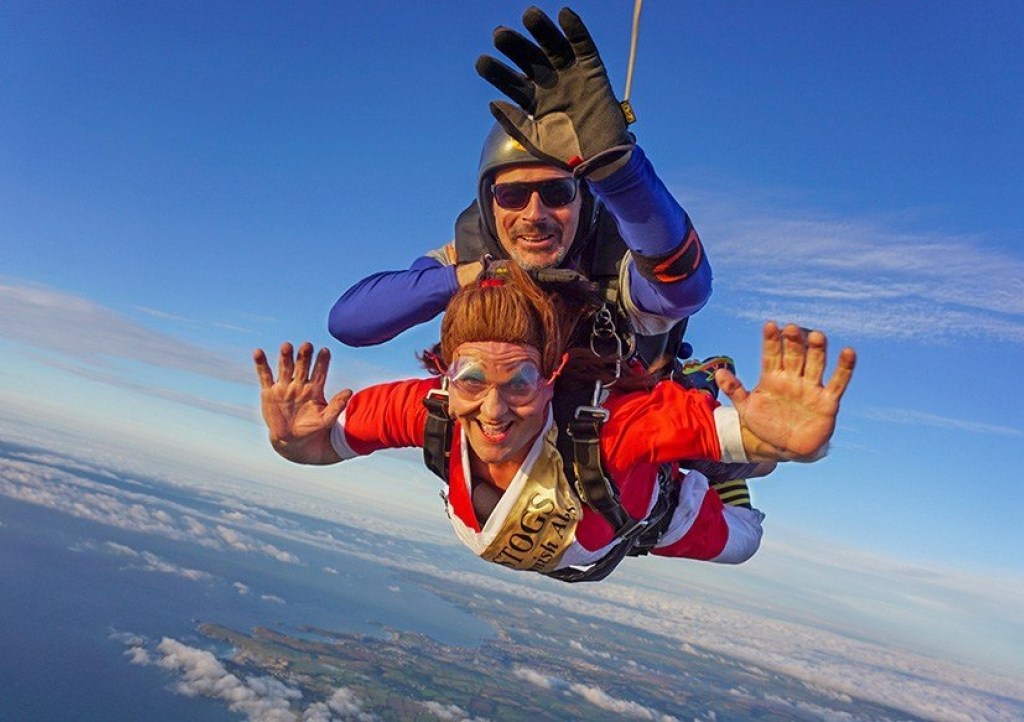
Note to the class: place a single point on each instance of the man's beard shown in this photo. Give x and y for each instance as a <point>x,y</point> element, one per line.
<point>536,229</point>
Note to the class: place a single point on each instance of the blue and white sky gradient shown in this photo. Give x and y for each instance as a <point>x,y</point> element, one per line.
<point>180,183</point>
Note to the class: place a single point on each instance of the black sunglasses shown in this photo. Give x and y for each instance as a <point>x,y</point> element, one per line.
<point>554,193</point>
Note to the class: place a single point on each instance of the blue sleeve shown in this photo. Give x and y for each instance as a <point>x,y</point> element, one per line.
<point>381,306</point>
<point>652,223</point>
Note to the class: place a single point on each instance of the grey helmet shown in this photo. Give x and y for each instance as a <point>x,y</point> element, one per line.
<point>502,151</point>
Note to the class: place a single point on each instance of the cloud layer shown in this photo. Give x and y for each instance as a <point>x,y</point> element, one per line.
<point>831,656</point>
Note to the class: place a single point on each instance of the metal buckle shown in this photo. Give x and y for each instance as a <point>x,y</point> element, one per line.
<point>594,412</point>
<point>633,529</point>
<point>441,393</point>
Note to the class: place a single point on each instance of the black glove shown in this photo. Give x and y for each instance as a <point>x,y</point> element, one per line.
<point>565,111</point>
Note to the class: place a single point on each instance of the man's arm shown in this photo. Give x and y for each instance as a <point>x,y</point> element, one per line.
<point>669,274</point>
<point>381,306</point>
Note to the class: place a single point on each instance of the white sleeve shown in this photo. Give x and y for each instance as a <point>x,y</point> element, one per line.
<point>339,442</point>
<point>744,534</point>
<point>727,423</point>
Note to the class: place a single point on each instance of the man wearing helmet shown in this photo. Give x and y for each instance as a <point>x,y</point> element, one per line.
<point>561,184</point>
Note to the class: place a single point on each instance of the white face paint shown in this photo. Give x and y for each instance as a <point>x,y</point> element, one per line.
<point>500,398</point>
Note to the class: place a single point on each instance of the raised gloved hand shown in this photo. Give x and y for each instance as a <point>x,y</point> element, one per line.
<point>564,109</point>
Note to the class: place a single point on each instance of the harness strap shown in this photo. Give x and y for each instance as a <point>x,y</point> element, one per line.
<point>437,433</point>
<point>635,537</point>
<point>639,542</point>
<point>594,487</point>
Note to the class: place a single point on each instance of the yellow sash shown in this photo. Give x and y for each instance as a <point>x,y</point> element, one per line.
<point>541,523</point>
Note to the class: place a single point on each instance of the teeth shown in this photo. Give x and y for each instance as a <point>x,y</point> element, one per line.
<point>495,429</point>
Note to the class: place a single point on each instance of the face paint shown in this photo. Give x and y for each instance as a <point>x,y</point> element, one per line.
<point>498,395</point>
<point>518,385</point>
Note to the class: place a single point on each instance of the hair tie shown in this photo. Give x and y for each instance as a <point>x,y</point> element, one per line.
<point>495,273</point>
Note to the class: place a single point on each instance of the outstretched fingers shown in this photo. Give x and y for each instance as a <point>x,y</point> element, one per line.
<point>527,56</point>
<point>771,349</point>
<point>555,46</point>
<point>731,386</point>
<point>843,373</point>
<point>302,363</point>
<point>817,350</point>
<point>263,372</point>
<point>337,404</point>
<point>323,362</point>
<point>286,362</point>
<point>582,43</point>
<point>794,349</point>
<point>517,87</point>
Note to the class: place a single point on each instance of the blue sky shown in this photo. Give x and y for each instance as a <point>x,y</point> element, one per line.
<point>182,182</point>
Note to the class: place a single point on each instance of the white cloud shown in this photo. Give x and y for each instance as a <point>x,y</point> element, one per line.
<point>115,548</point>
<point>139,655</point>
<point>449,712</point>
<point>40,480</point>
<point>860,276</point>
<point>317,712</point>
<point>346,703</point>
<point>535,678</point>
<point>599,698</point>
<point>155,563</point>
<point>921,418</point>
<point>595,695</point>
<point>81,329</point>
<point>583,649</point>
<point>243,542</point>
<point>272,598</point>
<point>261,699</point>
